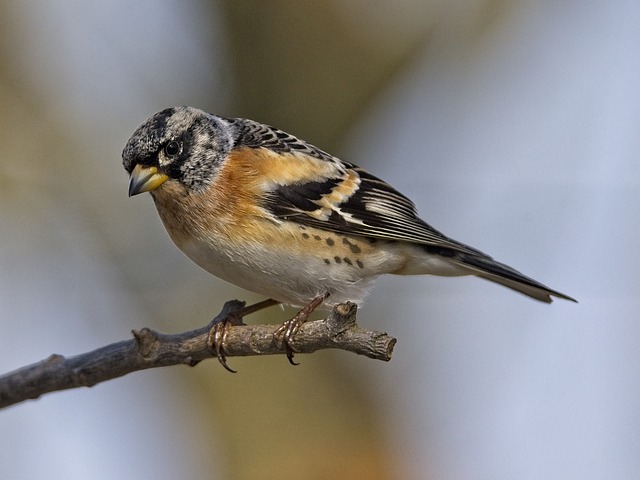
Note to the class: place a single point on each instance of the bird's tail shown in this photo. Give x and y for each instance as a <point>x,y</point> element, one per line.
<point>486,267</point>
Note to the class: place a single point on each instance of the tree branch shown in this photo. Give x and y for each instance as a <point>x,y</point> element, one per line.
<point>151,349</point>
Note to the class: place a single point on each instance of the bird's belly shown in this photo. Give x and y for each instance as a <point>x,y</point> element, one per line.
<point>293,274</point>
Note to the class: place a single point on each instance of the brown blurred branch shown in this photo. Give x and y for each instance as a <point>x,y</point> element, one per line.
<point>151,349</point>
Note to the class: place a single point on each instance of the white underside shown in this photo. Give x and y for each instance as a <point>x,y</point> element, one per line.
<point>296,279</point>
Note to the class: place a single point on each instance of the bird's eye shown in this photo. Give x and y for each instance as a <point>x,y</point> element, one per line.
<point>172,148</point>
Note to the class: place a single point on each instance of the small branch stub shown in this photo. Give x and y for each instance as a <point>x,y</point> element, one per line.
<point>151,349</point>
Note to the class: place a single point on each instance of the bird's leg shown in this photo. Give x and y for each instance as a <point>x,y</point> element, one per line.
<point>231,314</point>
<point>269,302</point>
<point>289,328</point>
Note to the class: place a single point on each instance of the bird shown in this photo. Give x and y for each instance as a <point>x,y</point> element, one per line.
<point>278,216</point>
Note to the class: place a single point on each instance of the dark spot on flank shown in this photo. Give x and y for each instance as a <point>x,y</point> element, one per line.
<point>327,261</point>
<point>359,263</point>
<point>305,235</point>
<point>317,237</point>
<point>330,242</point>
<point>352,246</point>
<point>337,259</point>
<point>347,261</point>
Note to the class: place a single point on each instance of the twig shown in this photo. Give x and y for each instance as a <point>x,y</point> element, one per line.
<point>151,349</point>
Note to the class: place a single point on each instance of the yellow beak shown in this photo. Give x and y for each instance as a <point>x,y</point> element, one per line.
<point>145,179</point>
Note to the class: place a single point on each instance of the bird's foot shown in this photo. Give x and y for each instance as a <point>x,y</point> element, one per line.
<point>289,328</point>
<point>231,315</point>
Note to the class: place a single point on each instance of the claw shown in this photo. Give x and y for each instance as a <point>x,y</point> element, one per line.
<point>231,315</point>
<point>289,328</point>
<point>218,334</point>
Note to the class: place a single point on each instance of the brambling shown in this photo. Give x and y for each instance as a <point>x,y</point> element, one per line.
<point>275,215</point>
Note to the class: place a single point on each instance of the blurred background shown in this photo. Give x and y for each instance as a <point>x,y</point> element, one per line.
<point>512,125</point>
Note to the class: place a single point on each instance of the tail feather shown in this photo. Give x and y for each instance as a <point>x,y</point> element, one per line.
<point>487,268</point>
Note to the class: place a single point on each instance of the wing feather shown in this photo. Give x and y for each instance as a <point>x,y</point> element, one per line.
<point>347,199</point>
